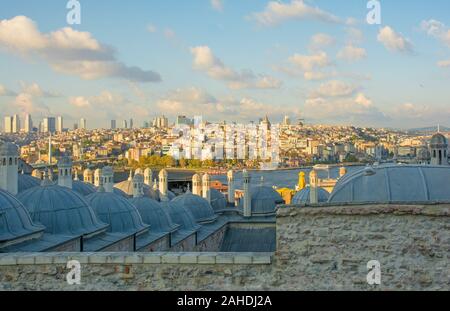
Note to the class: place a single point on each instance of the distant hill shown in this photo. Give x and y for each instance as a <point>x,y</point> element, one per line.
<point>427,130</point>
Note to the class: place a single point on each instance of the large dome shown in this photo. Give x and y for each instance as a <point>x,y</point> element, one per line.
<point>438,140</point>
<point>118,212</point>
<point>394,183</point>
<point>27,182</point>
<point>61,210</point>
<point>154,214</point>
<point>304,196</point>
<point>198,206</point>
<point>83,188</point>
<point>15,221</point>
<point>181,216</point>
<point>127,188</point>
<point>218,200</point>
<point>264,200</point>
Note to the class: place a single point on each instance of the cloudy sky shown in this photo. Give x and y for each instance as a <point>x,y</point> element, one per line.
<point>228,60</point>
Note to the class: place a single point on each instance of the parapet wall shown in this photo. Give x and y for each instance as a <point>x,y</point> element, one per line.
<point>320,248</point>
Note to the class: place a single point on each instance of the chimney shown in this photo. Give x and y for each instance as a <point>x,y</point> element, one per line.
<point>231,194</point>
<point>97,177</point>
<point>138,186</point>
<point>247,195</point>
<point>314,184</point>
<point>9,168</point>
<point>88,177</point>
<point>148,174</point>
<point>65,172</point>
<point>163,183</point>
<point>196,185</point>
<point>108,179</point>
<point>206,181</point>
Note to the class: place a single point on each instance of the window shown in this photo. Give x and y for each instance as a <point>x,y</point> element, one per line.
<point>10,161</point>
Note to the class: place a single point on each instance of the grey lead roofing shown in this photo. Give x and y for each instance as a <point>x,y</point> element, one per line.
<point>197,206</point>
<point>61,210</point>
<point>249,240</point>
<point>264,200</point>
<point>394,183</point>
<point>303,196</point>
<point>154,214</point>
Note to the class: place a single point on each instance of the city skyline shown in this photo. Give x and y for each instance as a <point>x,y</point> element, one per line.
<point>321,62</point>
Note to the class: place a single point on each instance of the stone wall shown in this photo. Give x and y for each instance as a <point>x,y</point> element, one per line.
<point>320,248</point>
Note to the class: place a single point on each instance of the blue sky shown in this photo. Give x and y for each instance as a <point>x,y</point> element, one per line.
<point>228,60</point>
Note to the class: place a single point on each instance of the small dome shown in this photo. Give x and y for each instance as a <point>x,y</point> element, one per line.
<point>9,149</point>
<point>127,187</point>
<point>394,183</point>
<point>303,196</point>
<point>264,200</point>
<point>15,221</point>
<point>83,188</point>
<point>438,140</point>
<point>154,214</point>
<point>61,211</point>
<point>218,200</point>
<point>118,212</point>
<point>423,154</point>
<point>181,216</point>
<point>27,182</point>
<point>198,206</point>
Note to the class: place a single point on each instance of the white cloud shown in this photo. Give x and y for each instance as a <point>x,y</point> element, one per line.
<point>310,62</point>
<point>318,75</point>
<point>152,28</point>
<point>334,88</point>
<point>217,5</point>
<point>204,60</point>
<point>6,92</point>
<point>437,30</point>
<point>68,51</point>
<point>394,41</point>
<point>277,12</point>
<point>352,53</point>
<point>80,102</point>
<point>321,40</point>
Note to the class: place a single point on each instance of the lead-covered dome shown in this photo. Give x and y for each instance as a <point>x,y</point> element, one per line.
<point>154,214</point>
<point>181,216</point>
<point>118,212</point>
<point>198,206</point>
<point>304,196</point>
<point>61,210</point>
<point>264,200</point>
<point>394,183</point>
<point>83,188</point>
<point>218,200</point>
<point>26,182</point>
<point>127,188</point>
<point>15,221</point>
<point>438,140</point>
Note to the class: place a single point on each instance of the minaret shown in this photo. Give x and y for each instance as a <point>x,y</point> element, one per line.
<point>65,172</point>
<point>148,174</point>
<point>314,184</point>
<point>88,176</point>
<point>163,183</point>
<point>196,185</point>
<point>301,181</point>
<point>342,171</point>
<point>138,186</point>
<point>108,179</point>
<point>206,181</point>
<point>97,177</point>
<point>247,195</point>
<point>9,168</point>
<point>231,191</point>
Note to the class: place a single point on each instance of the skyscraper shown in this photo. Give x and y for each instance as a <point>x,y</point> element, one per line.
<point>49,125</point>
<point>131,124</point>
<point>83,124</point>
<point>113,124</point>
<point>16,124</point>
<point>60,124</point>
<point>28,127</point>
<point>8,124</point>
<point>125,124</point>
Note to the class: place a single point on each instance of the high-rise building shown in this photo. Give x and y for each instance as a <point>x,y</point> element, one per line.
<point>16,124</point>
<point>183,120</point>
<point>161,122</point>
<point>131,124</point>
<point>113,124</point>
<point>83,124</point>
<point>125,124</point>
<point>49,125</point>
<point>59,124</point>
<point>8,126</point>
<point>28,127</point>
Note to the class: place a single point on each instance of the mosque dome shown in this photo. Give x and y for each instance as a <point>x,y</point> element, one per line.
<point>264,200</point>
<point>181,215</point>
<point>218,200</point>
<point>127,188</point>
<point>438,140</point>
<point>118,212</point>
<point>15,221</point>
<point>27,182</point>
<point>198,206</point>
<point>303,196</point>
<point>83,188</point>
<point>60,210</point>
<point>394,183</point>
<point>154,214</point>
